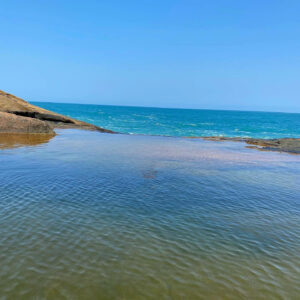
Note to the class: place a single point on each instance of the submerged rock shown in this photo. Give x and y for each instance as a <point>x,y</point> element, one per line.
<point>290,145</point>
<point>16,113</point>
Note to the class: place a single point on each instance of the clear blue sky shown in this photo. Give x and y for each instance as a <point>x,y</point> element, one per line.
<point>197,54</point>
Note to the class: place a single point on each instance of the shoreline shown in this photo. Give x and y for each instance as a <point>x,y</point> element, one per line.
<point>283,145</point>
<point>287,145</point>
<point>18,117</point>
<point>21,117</point>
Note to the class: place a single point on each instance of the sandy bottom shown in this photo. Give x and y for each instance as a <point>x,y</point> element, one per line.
<point>97,216</point>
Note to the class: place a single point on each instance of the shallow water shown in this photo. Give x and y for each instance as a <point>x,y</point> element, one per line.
<point>9,140</point>
<point>100,216</point>
<point>183,122</point>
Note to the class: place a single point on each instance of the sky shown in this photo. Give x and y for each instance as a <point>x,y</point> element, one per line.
<point>217,54</point>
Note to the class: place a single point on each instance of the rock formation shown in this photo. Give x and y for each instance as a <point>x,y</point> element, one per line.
<point>19,116</point>
<point>11,123</point>
<point>290,145</point>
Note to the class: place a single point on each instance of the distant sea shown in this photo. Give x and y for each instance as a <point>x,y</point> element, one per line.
<point>183,122</point>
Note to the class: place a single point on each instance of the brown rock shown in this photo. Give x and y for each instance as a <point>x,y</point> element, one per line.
<point>19,107</point>
<point>10,123</point>
<point>289,145</point>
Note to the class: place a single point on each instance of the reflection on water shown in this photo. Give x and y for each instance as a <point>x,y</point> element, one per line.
<point>99,216</point>
<point>19,140</point>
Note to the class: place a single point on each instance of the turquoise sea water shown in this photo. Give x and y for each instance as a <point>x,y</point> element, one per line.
<point>87,215</point>
<point>183,122</point>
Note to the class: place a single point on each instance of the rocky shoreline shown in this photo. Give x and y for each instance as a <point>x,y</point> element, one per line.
<point>19,117</point>
<point>289,145</point>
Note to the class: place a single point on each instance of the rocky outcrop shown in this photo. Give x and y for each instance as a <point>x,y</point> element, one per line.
<point>289,145</point>
<point>10,123</point>
<point>35,116</point>
<point>21,117</point>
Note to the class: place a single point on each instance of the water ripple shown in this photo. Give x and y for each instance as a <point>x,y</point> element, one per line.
<point>90,216</point>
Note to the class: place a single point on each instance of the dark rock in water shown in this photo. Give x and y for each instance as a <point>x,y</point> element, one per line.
<point>290,145</point>
<point>19,108</point>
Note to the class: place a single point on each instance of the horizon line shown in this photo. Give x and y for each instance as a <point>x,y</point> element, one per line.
<point>159,107</point>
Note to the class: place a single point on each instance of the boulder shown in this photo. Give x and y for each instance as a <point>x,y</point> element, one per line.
<point>10,123</point>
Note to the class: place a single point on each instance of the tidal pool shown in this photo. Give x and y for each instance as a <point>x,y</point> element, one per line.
<point>86,215</point>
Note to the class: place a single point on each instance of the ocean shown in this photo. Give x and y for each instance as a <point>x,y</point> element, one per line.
<point>89,215</point>
<point>183,122</point>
